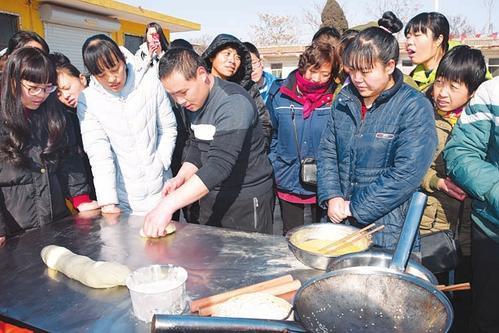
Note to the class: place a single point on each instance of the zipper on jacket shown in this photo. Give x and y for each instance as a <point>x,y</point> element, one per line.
<point>255,212</point>
<point>293,113</point>
<point>358,133</point>
<point>45,172</point>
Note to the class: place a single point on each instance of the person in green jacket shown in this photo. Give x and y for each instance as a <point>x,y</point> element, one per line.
<point>459,74</point>
<point>472,161</point>
<point>427,41</point>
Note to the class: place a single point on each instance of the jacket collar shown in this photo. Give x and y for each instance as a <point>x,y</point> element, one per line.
<point>422,78</point>
<point>425,78</point>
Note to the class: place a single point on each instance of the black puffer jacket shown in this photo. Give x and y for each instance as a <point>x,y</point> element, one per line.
<point>242,76</point>
<point>34,195</point>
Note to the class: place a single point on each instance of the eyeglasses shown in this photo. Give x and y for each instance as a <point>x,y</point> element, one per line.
<point>33,91</point>
<point>256,64</point>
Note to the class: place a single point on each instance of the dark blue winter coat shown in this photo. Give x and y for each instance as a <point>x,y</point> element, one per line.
<point>379,162</point>
<point>283,148</point>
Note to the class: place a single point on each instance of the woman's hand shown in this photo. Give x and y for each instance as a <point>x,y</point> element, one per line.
<point>3,240</point>
<point>154,47</point>
<point>86,206</point>
<point>338,209</point>
<point>452,190</point>
<point>110,209</point>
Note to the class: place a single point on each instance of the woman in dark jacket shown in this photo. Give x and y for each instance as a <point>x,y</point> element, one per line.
<point>299,109</point>
<point>39,161</point>
<point>228,59</point>
<point>379,142</point>
<point>70,84</point>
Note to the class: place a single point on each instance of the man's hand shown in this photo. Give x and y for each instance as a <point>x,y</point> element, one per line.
<point>338,209</point>
<point>110,209</point>
<point>156,221</point>
<point>172,184</point>
<point>3,240</point>
<point>452,190</point>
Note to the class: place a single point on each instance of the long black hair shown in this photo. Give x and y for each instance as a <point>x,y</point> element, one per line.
<point>30,64</point>
<point>162,38</point>
<point>22,37</point>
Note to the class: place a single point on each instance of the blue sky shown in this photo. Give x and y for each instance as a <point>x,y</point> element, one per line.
<point>236,17</point>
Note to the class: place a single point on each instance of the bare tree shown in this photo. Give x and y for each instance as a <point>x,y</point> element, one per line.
<point>312,15</point>
<point>275,30</point>
<point>459,26</point>
<point>404,9</point>
<point>201,43</point>
<point>489,6</point>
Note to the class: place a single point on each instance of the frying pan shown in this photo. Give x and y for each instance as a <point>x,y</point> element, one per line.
<point>354,299</point>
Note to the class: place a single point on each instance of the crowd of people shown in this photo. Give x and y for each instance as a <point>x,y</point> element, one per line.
<point>215,136</point>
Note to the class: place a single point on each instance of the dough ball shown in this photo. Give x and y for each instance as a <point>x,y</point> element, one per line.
<point>170,229</point>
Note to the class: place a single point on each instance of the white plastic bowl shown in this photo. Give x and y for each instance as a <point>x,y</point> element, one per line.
<point>157,289</point>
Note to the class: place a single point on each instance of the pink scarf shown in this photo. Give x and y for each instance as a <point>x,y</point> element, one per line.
<point>312,95</point>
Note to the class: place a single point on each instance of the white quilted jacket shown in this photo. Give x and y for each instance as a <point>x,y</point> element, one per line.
<point>129,139</point>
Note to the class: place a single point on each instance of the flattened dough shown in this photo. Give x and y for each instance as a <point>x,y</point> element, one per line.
<point>170,229</point>
<point>254,305</point>
<point>94,274</point>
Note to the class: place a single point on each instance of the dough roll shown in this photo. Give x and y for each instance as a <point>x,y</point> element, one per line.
<point>94,274</point>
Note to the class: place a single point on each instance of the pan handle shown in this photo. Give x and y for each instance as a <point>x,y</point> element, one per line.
<point>409,231</point>
<point>186,324</point>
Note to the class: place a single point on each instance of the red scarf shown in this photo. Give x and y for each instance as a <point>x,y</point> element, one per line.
<point>311,94</point>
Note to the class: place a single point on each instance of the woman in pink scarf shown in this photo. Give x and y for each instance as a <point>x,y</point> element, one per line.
<point>299,107</point>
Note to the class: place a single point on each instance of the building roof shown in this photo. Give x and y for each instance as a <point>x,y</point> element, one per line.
<point>281,50</point>
<point>123,11</point>
<point>484,42</point>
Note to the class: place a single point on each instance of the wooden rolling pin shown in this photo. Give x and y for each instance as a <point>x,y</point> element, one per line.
<point>288,296</point>
<point>219,298</point>
<point>455,287</point>
<point>277,290</point>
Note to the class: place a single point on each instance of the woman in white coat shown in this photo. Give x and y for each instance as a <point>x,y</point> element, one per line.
<point>152,49</point>
<point>128,129</point>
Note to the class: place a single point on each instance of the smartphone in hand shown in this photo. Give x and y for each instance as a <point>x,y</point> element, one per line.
<point>154,44</point>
